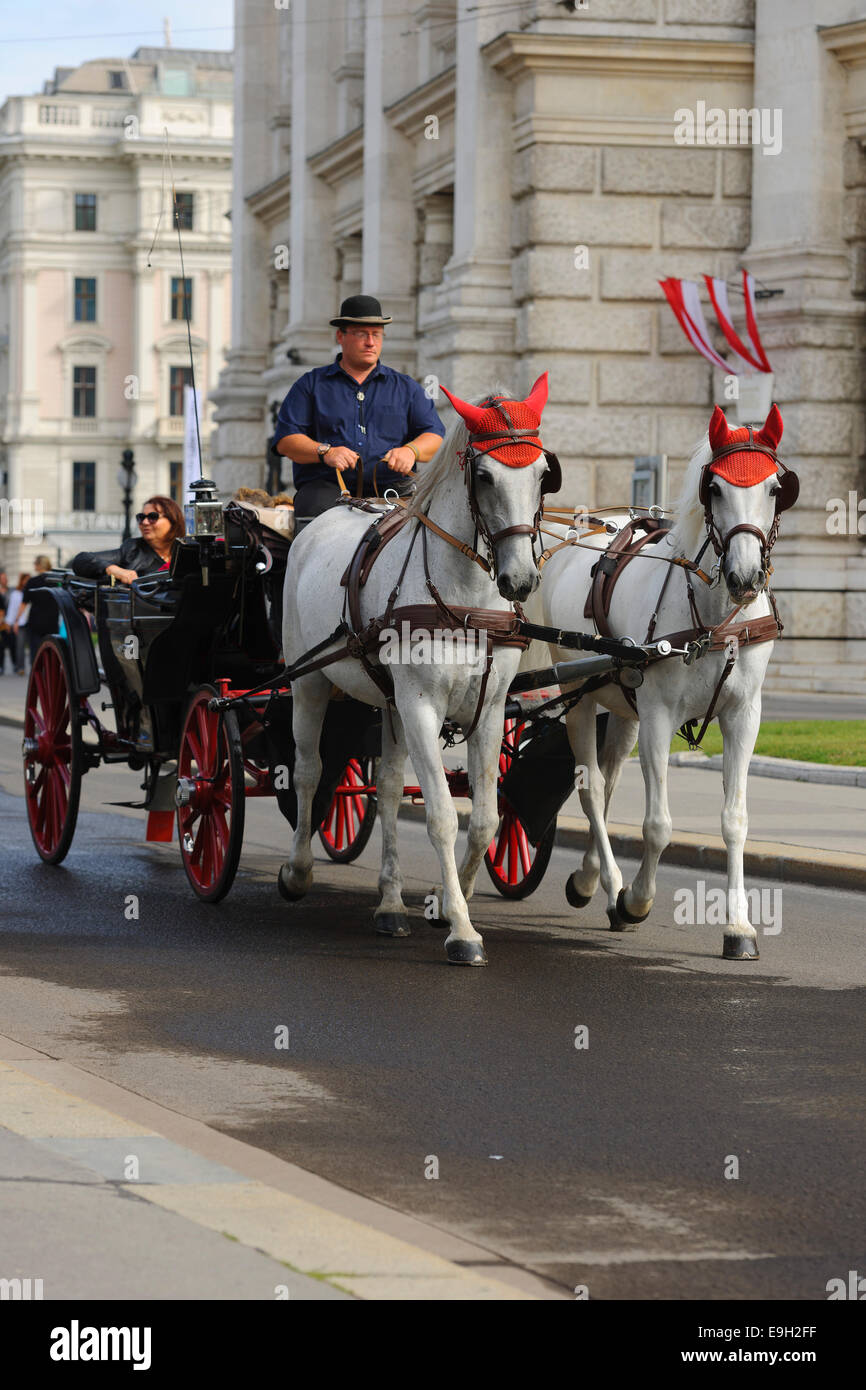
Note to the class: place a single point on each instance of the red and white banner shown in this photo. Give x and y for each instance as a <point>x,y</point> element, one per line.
<point>683,297</point>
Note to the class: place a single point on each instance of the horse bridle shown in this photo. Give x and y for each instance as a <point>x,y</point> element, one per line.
<point>551,481</point>
<point>789,491</point>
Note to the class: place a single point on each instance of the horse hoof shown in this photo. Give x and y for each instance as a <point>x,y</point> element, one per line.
<point>392,924</point>
<point>617,923</point>
<point>287,887</point>
<point>623,913</point>
<point>740,948</point>
<point>573,897</point>
<point>461,952</point>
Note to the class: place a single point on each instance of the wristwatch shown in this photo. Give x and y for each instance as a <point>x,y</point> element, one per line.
<point>322,449</point>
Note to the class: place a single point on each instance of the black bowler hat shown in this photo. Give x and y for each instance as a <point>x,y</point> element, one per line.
<point>359,308</point>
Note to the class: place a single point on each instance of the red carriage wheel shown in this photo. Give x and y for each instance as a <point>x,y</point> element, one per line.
<point>210,797</point>
<point>347,827</point>
<point>53,752</point>
<point>516,865</point>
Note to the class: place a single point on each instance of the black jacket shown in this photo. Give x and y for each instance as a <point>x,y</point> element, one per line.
<point>133,554</point>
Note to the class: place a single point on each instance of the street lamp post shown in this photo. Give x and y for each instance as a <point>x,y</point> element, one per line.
<point>127,479</point>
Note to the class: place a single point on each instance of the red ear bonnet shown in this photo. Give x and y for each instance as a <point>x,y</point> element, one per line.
<point>747,466</point>
<point>494,419</point>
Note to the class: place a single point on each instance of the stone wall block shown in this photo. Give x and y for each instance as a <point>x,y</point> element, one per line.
<point>569,381</point>
<point>590,222</point>
<point>658,170</point>
<point>855,614</point>
<point>737,12</point>
<point>680,432</point>
<point>588,328</point>
<point>854,164</point>
<point>699,224</point>
<point>554,168</point>
<point>550,272</point>
<point>627,275</point>
<point>810,375</point>
<point>854,214</point>
<point>737,173</point>
<point>806,613</point>
<point>598,433</point>
<point>811,428</point>
<point>646,10</point>
<point>641,382</point>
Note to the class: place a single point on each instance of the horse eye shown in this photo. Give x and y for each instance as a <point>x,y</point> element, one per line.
<point>715,490</point>
<point>484,477</point>
<point>775,490</point>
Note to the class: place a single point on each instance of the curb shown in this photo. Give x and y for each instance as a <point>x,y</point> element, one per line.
<point>787,769</point>
<point>822,868</point>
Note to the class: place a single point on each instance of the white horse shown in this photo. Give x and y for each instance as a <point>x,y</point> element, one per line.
<point>425,695</point>
<point>673,693</point>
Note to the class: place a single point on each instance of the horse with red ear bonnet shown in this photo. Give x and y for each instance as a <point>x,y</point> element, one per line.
<point>735,491</point>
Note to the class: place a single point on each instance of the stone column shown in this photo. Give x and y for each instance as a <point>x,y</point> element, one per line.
<point>388,270</point>
<point>813,334</point>
<point>238,449</point>
<point>473,322</point>
<point>145,408</point>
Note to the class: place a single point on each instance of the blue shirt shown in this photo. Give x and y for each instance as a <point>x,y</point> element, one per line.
<point>380,413</point>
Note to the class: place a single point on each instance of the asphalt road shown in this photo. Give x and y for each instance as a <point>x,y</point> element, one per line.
<point>602,1166</point>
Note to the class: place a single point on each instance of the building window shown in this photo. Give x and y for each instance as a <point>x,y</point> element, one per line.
<point>175,480</point>
<point>85,212</point>
<point>179,377</point>
<point>83,392</point>
<point>181,297</point>
<point>85,299</point>
<point>183,209</point>
<point>84,487</point>
<point>115,80</point>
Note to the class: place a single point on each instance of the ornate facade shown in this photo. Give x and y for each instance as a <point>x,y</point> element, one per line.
<point>506,180</point>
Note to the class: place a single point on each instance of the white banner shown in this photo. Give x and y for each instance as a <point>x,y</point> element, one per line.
<point>191,460</point>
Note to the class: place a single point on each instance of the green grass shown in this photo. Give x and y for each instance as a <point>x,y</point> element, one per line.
<point>840,741</point>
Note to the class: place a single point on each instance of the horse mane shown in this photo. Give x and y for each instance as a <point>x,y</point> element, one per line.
<point>443,465</point>
<point>687,533</point>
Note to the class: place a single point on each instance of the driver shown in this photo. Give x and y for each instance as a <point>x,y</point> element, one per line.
<point>159,523</point>
<point>355,416</point>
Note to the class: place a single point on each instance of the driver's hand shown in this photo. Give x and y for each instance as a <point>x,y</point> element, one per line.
<point>340,457</point>
<point>401,459</point>
<point>123,576</point>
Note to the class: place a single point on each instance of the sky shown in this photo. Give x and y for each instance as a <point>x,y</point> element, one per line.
<point>36,38</point>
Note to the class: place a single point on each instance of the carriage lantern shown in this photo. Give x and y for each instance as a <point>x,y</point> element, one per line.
<point>204,515</point>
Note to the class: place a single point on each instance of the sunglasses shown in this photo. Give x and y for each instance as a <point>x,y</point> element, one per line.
<point>152,517</point>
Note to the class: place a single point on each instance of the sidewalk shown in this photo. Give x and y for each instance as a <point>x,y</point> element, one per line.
<point>185,1212</point>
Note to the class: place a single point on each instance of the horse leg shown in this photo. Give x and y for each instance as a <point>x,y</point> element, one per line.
<point>739,725</point>
<point>310,701</point>
<point>635,902</point>
<point>580,723</point>
<point>463,945</point>
<point>616,746</point>
<point>390,917</point>
<point>483,760</point>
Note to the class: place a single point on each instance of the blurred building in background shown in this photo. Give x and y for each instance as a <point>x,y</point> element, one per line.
<point>93,343</point>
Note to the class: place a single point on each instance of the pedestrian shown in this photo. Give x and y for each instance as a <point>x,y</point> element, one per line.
<point>16,617</point>
<point>355,416</point>
<point>6,639</point>
<point>41,620</point>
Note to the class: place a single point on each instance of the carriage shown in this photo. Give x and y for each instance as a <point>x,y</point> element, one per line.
<point>191,661</point>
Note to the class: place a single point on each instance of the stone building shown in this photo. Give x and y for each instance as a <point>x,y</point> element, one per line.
<point>93,342</point>
<point>507,180</point>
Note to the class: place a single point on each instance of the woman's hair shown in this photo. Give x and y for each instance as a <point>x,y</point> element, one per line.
<point>174,513</point>
<point>22,579</point>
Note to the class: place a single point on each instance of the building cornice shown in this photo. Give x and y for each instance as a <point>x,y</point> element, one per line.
<point>272,198</point>
<point>409,114</point>
<point>341,159</point>
<point>513,53</point>
<point>847,43</point>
